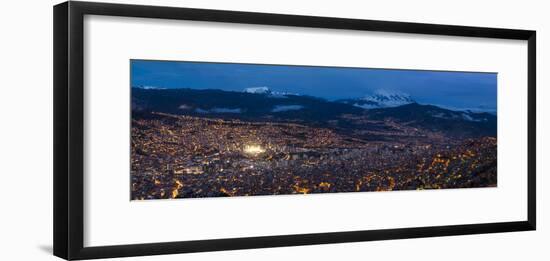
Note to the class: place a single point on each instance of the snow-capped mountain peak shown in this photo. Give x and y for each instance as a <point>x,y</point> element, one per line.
<point>258,90</point>
<point>266,91</point>
<point>148,87</point>
<point>383,99</point>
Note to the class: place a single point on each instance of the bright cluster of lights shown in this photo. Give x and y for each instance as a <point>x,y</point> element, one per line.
<point>253,149</point>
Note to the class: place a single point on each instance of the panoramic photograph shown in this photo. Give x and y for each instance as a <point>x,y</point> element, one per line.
<point>206,129</point>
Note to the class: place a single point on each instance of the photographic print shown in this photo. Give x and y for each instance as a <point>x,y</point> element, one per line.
<point>206,129</point>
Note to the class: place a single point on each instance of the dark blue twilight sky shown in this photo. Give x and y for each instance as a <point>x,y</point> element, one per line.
<point>458,90</point>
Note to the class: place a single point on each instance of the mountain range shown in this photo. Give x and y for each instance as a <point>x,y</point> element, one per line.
<point>380,99</point>
<point>262,104</point>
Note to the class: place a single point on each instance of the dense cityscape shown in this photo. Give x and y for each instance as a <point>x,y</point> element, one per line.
<point>215,129</point>
<point>183,156</point>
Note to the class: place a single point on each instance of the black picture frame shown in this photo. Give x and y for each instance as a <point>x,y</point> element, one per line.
<point>69,129</point>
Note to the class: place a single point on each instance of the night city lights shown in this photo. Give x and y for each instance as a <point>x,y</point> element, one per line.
<point>307,130</point>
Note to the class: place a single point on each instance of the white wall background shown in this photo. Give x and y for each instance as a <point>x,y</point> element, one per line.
<point>26,129</point>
